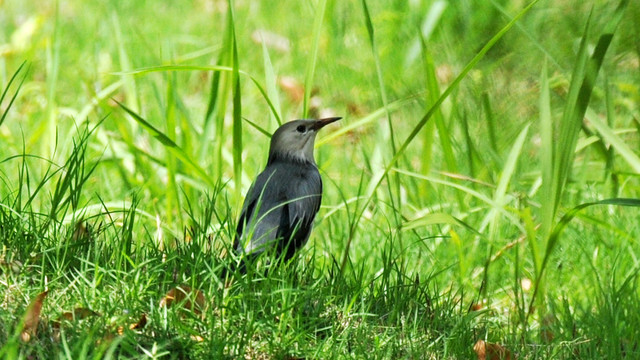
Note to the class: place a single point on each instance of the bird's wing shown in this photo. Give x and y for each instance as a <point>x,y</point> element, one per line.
<point>260,216</point>
<point>280,206</point>
<point>303,195</point>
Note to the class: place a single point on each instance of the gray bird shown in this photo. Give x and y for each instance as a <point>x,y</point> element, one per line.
<point>280,206</point>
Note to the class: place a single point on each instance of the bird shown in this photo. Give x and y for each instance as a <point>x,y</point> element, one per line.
<point>280,207</point>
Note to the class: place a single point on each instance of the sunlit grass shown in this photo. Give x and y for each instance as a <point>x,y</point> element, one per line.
<point>482,185</point>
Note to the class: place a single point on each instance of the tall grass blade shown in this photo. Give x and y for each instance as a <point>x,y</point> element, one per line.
<point>169,145</point>
<point>434,107</point>
<point>395,200</point>
<point>6,89</point>
<point>546,158</point>
<point>161,68</point>
<point>554,237</point>
<point>433,93</point>
<point>216,109</point>
<point>361,124</point>
<point>508,171</point>
<point>130,89</point>
<point>582,84</point>
<point>491,122</point>
<point>608,134</point>
<point>173,196</point>
<point>237,105</point>
<point>432,96</point>
<point>49,139</point>
<point>376,59</point>
<point>611,175</point>
<point>313,56</point>
<point>270,84</point>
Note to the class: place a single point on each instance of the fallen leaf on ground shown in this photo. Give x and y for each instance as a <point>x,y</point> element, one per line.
<point>491,351</point>
<point>77,314</point>
<point>32,317</point>
<point>196,338</point>
<point>140,324</point>
<point>191,299</point>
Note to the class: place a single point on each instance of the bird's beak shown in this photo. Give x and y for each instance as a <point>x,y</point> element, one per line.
<point>320,123</point>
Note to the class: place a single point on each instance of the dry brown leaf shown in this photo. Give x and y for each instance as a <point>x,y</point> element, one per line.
<point>191,299</point>
<point>491,351</point>
<point>292,88</point>
<point>140,324</point>
<point>107,338</point>
<point>32,317</point>
<point>196,338</point>
<point>355,109</point>
<point>77,314</point>
<point>546,331</point>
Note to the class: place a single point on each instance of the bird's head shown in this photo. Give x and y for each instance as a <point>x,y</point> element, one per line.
<point>295,139</point>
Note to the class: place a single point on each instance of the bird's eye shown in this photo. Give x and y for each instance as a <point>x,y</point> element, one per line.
<point>301,129</point>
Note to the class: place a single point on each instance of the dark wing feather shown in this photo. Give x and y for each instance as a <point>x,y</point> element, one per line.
<point>280,207</point>
<point>259,218</point>
<point>304,196</point>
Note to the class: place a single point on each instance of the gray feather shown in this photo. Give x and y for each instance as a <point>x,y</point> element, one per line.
<point>279,209</point>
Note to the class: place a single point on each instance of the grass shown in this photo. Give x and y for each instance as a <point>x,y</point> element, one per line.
<point>483,184</point>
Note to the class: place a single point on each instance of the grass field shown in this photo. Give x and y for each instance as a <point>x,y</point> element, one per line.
<point>481,193</point>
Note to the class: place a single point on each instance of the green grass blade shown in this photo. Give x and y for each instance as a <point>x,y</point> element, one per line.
<point>508,171</point>
<point>237,106</point>
<point>169,144</point>
<point>546,153</point>
<point>376,59</point>
<point>313,56</point>
<point>394,195</point>
<point>130,88</point>
<point>562,224</point>
<point>6,89</point>
<point>465,189</point>
<point>270,84</point>
<point>434,107</point>
<point>433,92</point>
<point>432,96</point>
<point>361,124</point>
<point>161,68</point>
<point>173,195</point>
<point>614,140</point>
<point>216,110</point>
<point>437,219</point>
<point>259,128</point>
<point>582,84</point>
<point>48,139</point>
